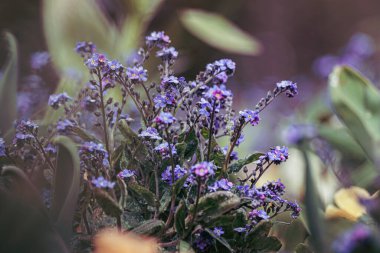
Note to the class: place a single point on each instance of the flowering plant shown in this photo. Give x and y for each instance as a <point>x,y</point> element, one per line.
<point>164,175</point>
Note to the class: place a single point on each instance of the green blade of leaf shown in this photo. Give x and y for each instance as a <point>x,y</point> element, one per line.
<point>237,166</point>
<point>220,239</point>
<point>150,227</point>
<point>179,219</point>
<point>8,86</point>
<point>142,192</point>
<point>66,182</point>
<point>218,32</point>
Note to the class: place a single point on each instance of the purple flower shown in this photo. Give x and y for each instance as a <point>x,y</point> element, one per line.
<point>94,152</point>
<point>218,93</point>
<point>164,149</point>
<point>278,154</point>
<point>289,87</point>
<point>150,133</point>
<point>203,169</point>
<point>223,65</point>
<point>158,39</point>
<point>218,231</point>
<point>93,62</point>
<point>165,118</point>
<point>50,149</point>
<point>233,156</point>
<point>164,100</point>
<point>169,83</point>
<point>85,48</point>
<point>167,53</point>
<point>63,126</point>
<point>126,173</point>
<point>26,131</point>
<point>221,78</point>
<point>250,116</point>
<point>258,215</point>
<point>240,140</point>
<point>296,209</point>
<point>294,134</point>
<point>222,184</point>
<point>56,100</point>
<point>204,107</point>
<point>138,74</point>
<point>101,182</point>
<point>274,188</point>
<point>39,60</point>
<point>2,147</point>
<point>114,65</point>
<point>179,172</point>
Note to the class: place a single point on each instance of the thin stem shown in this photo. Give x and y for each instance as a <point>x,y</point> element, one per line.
<point>196,205</point>
<point>231,148</point>
<point>172,205</point>
<point>262,173</point>
<point>169,244</point>
<point>46,157</point>
<point>211,131</point>
<point>157,212</point>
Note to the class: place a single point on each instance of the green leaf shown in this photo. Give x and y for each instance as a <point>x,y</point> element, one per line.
<point>266,244</point>
<point>184,247</point>
<point>188,144</point>
<point>237,166</point>
<point>142,192</point>
<point>165,201</point>
<point>66,182</point>
<point>8,86</point>
<point>179,219</point>
<point>356,102</point>
<point>259,234</point>
<point>150,227</point>
<point>218,32</point>
<point>219,239</point>
<point>303,248</point>
<point>214,204</point>
<point>178,185</point>
<point>108,204</point>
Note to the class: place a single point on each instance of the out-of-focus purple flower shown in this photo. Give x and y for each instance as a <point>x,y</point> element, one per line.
<point>94,152</point>
<point>295,133</point>
<point>240,230</point>
<point>101,182</point>
<point>93,62</point>
<point>220,78</point>
<point>150,133</point>
<point>325,64</point>
<point>50,149</point>
<point>289,87</point>
<point>278,154</point>
<point>240,140</point>
<point>359,239</point>
<point>274,188</point>
<point>233,156</point>
<point>218,231</point>
<point>164,149</point>
<point>179,172</point>
<point>164,100</point>
<point>167,53</point>
<point>296,209</point>
<point>85,48</point>
<point>114,65</point>
<point>26,131</point>
<point>159,39</point>
<point>250,116</point>
<point>203,169</point>
<point>258,215</point>
<point>360,45</point>
<point>126,173</point>
<point>39,60</point>
<point>56,100</point>
<point>2,147</point>
<point>137,74</point>
<point>165,118</point>
<point>169,83</point>
<point>63,126</point>
<point>219,93</point>
<point>223,65</point>
<point>222,184</point>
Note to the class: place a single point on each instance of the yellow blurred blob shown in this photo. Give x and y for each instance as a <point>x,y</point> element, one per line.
<point>348,205</point>
<point>112,241</point>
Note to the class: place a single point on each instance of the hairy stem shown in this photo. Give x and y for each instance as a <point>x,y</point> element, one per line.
<point>211,131</point>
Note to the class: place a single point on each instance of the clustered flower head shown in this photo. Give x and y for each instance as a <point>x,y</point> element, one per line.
<point>278,154</point>
<point>289,87</point>
<point>101,182</point>
<point>126,173</point>
<point>179,172</point>
<point>2,147</point>
<point>57,100</point>
<point>203,170</point>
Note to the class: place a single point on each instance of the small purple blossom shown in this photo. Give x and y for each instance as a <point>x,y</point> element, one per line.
<point>218,231</point>
<point>56,100</point>
<point>295,133</point>
<point>165,118</point>
<point>289,87</point>
<point>150,133</point>
<point>137,74</point>
<point>164,100</point>
<point>204,107</point>
<point>159,39</point>
<point>223,65</point>
<point>203,169</point>
<point>278,154</point>
<point>233,156</point>
<point>114,65</point>
<point>258,215</point>
<point>63,126</point>
<point>39,60</point>
<point>222,184</point>
<point>126,173</point>
<point>219,93</point>
<point>169,83</point>
<point>164,149</point>
<point>94,152</point>
<point>85,48</point>
<point>93,61</point>
<point>167,53</point>
<point>2,148</point>
<point>179,172</point>
<point>250,116</point>
<point>101,182</point>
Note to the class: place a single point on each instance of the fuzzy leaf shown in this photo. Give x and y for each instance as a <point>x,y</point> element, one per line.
<point>187,145</point>
<point>142,192</point>
<point>150,227</point>
<point>218,32</point>
<point>165,201</point>
<point>179,219</point>
<point>8,86</point>
<point>266,244</point>
<point>67,180</point>
<point>237,166</point>
<point>303,248</point>
<point>108,204</point>
<point>214,204</point>
<point>219,239</point>
<point>178,185</point>
<point>259,232</point>
<point>185,247</point>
